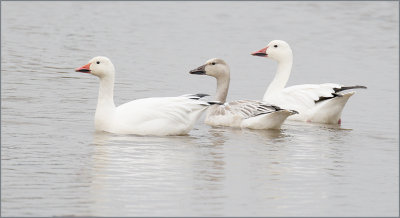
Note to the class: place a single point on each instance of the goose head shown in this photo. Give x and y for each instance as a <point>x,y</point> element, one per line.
<point>98,66</point>
<point>214,67</point>
<point>277,49</point>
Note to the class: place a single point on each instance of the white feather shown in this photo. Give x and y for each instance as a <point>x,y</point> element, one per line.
<point>149,116</point>
<point>322,103</point>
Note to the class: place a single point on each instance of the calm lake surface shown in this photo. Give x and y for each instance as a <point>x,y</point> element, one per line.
<point>53,163</point>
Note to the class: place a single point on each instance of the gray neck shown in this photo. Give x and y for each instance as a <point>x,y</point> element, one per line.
<point>222,88</point>
<point>281,77</point>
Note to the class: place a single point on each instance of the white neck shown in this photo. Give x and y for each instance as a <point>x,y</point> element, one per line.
<point>281,77</point>
<point>105,103</point>
<point>222,88</point>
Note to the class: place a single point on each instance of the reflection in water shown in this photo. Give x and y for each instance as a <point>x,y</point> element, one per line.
<point>328,126</point>
<point>140,170</point>
<point>164,162</point>
<point>53,164</point>
<point>103,138</point>
<point>217,134</point>
<point>209,174</point>
<point>270,134</point>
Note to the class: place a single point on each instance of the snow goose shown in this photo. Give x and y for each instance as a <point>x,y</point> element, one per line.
<point>242,113</point>
<point>320,103</point>
<point>149,116</point>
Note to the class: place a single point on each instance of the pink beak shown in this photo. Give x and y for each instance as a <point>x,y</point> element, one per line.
<point>261,53</point>
<point>84,69</point>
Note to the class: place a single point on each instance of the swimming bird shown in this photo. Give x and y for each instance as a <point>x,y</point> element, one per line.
<point>320,103</point>
<point>148,116</point>
<point>241,113</point>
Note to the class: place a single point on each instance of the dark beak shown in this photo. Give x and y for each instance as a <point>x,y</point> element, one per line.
<point>199,71</point>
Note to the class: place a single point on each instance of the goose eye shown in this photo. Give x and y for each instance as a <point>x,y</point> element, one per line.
<point>98,62</point>
<point>213,63</point>
<point>276,46</point>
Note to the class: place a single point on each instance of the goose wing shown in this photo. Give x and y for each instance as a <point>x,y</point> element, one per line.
<point>165,111</point>
<point>246,108</point>
<point>307,96</point>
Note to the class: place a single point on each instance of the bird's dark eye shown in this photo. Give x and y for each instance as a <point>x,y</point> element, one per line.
<point>213,63</point>
<point>276,46</point>
<point>98,62</point>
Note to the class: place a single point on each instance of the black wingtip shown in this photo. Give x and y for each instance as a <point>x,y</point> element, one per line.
<point>215,102</point>
<point>348,87</point>
<point>276,107</point>
<point>201,95</point>
<point>357,87</point>
<point>195,96</point>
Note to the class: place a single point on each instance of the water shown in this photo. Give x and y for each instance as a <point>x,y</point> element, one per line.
<point>54,164</point>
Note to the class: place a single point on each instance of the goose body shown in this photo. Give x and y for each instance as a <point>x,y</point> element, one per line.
<point>320,103</point>
<point>149,116</point>
<point>247,114</point>
<point>242,113</point>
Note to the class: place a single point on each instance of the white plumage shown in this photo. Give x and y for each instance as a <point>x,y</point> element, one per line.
<point>158,116</point>
<point>149,116</point>
<point>321,103</point>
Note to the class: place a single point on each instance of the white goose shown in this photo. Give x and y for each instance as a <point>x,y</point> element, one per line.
<point>243,113</point>
<point>149,116</point>
<point>320,103</point>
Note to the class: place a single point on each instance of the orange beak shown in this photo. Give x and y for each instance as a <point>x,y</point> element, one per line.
<point>84,69</point>
<point>261,53</point>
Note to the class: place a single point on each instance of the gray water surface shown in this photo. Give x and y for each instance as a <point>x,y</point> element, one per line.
<point>53,163</point>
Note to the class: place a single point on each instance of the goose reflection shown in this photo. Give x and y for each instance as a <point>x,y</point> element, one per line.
<point>210,171</point>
